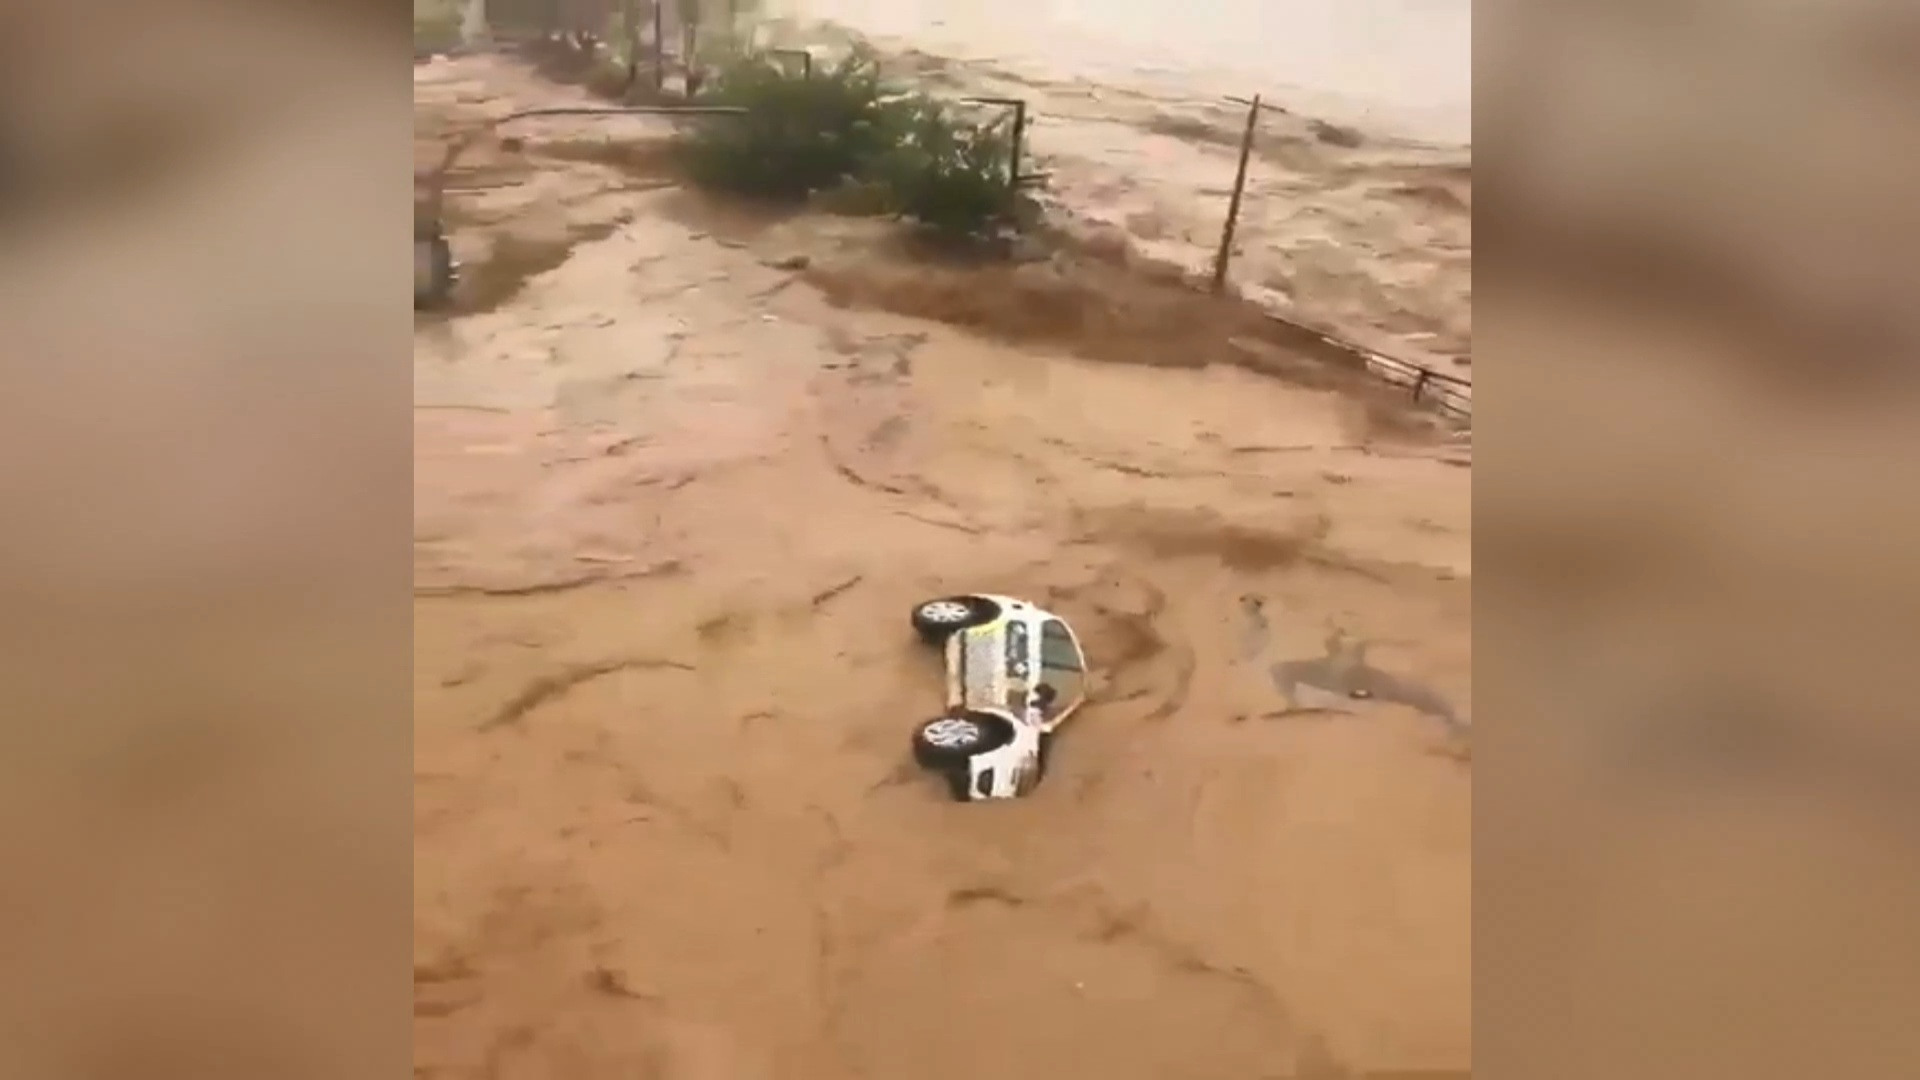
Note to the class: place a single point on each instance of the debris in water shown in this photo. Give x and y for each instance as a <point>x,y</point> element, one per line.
<point>1334,134</point>
<point>1342,671</point>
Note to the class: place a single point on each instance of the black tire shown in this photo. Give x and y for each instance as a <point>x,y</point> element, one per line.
<point>433,277</point>
<point>937,620</point>
<point>942,742</point>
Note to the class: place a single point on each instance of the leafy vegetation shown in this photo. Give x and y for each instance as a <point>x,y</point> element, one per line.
<point>948,174</point>
<point>436,24</point>
<point>841,125</point>
<point>799,134</point>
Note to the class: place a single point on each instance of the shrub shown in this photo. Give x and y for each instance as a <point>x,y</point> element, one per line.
<point>948,174</point>
<point>799,135</point>
<point>843,126</point>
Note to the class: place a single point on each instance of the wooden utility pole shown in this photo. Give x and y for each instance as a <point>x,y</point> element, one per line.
<point>1233,207</point>
<point>659,46</point>
<point>630,36</point>
<point>473,23</point>
<point>690,46</point>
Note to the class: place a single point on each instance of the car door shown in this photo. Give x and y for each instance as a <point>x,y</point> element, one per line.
<point>1063,676</point>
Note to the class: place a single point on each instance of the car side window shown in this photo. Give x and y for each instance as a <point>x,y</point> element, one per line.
<point>1057,650</point>
<point>1062,684</point>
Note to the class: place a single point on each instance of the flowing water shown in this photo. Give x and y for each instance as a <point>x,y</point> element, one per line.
<point>681,472</point>
<point>1391,65</point>
<point>1357,219</point>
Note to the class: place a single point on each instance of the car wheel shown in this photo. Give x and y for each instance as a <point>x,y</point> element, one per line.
<point>937,620</point>
<point>951,740</point>
<point>433,272</point>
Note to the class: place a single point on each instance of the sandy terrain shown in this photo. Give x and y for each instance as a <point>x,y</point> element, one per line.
<point>675,495</point>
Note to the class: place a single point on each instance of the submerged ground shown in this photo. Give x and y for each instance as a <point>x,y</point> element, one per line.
<point>681,473</point>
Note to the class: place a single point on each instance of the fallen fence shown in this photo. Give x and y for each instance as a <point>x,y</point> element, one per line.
<point>1449,393</point>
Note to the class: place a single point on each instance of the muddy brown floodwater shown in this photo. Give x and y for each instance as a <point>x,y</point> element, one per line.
<point>1359,231</point>
<point>681,474</point>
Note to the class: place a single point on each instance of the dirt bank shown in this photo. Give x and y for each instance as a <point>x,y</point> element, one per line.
<point>673,500</point>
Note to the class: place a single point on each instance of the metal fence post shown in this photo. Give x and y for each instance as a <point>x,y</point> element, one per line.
<point>1019,137</point>
<point>1233,207</point>
<point>1019,134</point>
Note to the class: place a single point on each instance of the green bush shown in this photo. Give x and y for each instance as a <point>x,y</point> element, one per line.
<point>802,135</point>
<point>436,33</point>
<point>948,174</point>
<point>799,135</point>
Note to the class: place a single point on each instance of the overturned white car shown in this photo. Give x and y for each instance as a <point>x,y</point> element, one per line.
<point>1015,673</point>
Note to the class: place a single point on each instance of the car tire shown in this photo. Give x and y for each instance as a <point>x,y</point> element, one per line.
<point>952,740</point>
<point>937,620</point>
<point>433,272</point>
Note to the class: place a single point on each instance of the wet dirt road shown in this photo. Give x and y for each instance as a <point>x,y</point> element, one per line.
<point>672,507</point>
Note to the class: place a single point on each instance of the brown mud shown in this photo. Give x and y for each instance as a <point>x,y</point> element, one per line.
<point>681,469</point>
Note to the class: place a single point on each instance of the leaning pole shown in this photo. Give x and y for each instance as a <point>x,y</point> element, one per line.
<point>473,23</point>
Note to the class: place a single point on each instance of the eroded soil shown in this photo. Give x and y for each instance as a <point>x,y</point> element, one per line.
<point>673,504</point>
